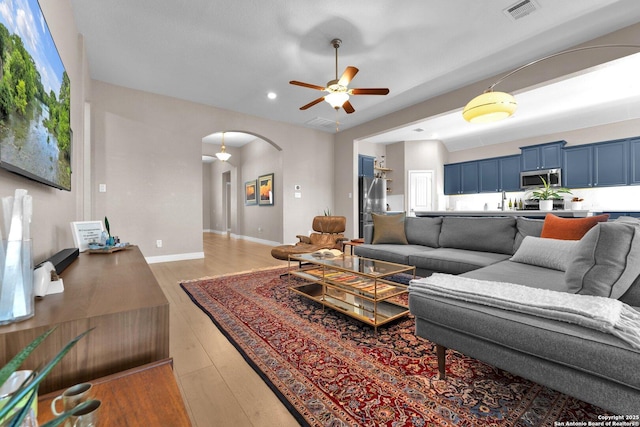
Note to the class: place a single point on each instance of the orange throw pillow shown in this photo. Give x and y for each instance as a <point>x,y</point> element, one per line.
<point>555,227</point>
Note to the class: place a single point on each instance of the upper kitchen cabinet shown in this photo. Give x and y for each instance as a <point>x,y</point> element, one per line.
<point>542,156</point>
<point>366,165</point>
<point>577,170</point>
<point>499,174</point>
<point>634,149</point>
<point>611,163</point>
<point>461,178</point>
<point>602,164</point>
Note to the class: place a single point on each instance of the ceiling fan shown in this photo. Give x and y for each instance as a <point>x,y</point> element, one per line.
<point>338,92</point>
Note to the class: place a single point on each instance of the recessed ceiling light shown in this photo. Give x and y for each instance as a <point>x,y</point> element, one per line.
<point>272,95</point>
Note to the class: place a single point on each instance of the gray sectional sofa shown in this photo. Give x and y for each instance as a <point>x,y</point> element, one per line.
<point>585,363</point>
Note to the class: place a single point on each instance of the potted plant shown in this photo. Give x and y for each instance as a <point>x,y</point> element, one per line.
<point>576,203</point>
<point>19,402</point>
<point>547,194</point>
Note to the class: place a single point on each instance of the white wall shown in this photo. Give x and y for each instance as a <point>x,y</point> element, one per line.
<point>261,222</point>
<point>207,193</point>
<point>147,150</point>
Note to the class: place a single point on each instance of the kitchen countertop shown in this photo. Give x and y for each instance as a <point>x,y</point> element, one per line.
<point>567,213</point>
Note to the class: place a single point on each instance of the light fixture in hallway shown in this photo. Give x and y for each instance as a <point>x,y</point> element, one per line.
<point>223,156</point>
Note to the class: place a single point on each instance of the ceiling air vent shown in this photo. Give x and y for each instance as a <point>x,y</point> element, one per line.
<point>521,9</point>
<point>322,123</point>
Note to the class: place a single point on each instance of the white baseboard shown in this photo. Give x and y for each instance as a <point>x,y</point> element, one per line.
<point>200,255</point>
<point>176,257</point>
<point>241,237</point>
<point>256,240</point>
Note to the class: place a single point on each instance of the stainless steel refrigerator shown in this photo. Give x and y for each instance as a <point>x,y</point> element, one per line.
<point>372,199</point>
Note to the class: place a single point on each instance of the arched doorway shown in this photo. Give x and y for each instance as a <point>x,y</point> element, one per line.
<point>225,209</point>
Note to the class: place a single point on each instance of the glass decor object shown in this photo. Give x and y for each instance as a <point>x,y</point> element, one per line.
<point>16,258</point>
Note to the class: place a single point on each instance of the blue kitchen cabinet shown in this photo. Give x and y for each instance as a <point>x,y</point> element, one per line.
<point>365,165</point>
<point>577,170</point>
<point>469,178</point>
<point>634,159</point>
<point>542,156</point>
<point>489,173</point>
<point>499,174</point>
<point>452,183</point>
<point>509,173</point>
<point>611,163</point>
<point>604,164</point>
<point>461,178</point>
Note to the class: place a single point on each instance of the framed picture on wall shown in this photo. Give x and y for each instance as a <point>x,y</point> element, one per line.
<point>265,184</point>
<point>250,193</point>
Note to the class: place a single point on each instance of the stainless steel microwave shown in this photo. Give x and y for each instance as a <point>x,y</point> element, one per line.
<point>533,179</point>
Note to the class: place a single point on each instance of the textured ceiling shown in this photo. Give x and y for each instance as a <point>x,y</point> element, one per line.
<point>230,54</point>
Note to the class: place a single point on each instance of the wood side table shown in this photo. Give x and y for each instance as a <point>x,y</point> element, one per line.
<point>144,396</point>
<point>351,244</point>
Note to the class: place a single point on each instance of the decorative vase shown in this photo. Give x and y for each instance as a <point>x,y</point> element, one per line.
<point>576,206</point>
<point>546,205</point>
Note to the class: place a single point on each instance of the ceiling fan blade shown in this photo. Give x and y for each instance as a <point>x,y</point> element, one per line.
<point>348,108</point>
<point>346,77</point>
<point>309,85</point>
<point>312,103</point>
<point>378,91</point>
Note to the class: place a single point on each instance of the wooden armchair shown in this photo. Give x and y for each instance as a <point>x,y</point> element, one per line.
<point>328,235</point>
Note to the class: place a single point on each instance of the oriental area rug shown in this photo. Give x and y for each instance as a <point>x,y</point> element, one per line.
<point>331,370</point>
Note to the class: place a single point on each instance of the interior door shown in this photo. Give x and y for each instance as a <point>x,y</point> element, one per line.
<point>420,191</point>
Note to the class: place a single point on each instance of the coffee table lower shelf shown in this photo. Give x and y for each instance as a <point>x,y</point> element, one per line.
<point>370,312</point>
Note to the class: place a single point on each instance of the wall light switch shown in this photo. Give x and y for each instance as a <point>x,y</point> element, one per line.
<point>102,188</point>
<point>297,195</point>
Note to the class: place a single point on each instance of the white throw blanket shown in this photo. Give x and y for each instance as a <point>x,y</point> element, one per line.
<point>603,314</point>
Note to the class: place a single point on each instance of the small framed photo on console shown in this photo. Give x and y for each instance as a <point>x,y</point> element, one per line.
<point>85,232</point>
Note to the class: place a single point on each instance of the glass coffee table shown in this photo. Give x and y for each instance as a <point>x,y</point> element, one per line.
<point>356,286</point>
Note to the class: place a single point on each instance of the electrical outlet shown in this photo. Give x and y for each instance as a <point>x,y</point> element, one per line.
<point>158,243</point>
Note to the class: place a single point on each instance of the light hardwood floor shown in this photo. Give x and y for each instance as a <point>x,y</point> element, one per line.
<point>218,386</point>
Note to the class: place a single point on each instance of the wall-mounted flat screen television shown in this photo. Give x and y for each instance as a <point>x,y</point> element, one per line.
<point>35,131</point>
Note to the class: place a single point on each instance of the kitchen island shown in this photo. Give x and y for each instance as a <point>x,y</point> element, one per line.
<point>565,213</point>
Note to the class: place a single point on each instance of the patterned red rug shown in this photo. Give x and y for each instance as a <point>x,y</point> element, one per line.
<point>331,370</point>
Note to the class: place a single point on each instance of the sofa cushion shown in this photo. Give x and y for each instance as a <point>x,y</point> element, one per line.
<point>526,227</point>
<point>632,296</point>
<point>521,274</point>
<point>549,253</point>
<point>454,261</point>
<point>423,231</point>
<point>492,234</point>
<point>606,261</point>
<point>569,228</point>
<point>389,229</point>
<point>388,252</point>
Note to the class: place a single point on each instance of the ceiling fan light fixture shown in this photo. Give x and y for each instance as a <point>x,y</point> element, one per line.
<point>223,156</point>
<point>490,107</point>
<point>337,99</point>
